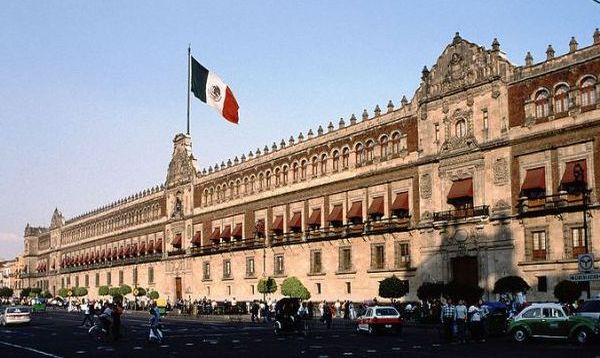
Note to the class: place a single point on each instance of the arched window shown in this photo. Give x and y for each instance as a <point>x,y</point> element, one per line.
<point>252,179</point>
<point>246,186</point>
<point>588,92</point>
<point>460,128</point>
<point>210,196</point>
<point>360,153</point>
<point>345,158</point>
<point>303,170</point>
<point>285,175</point>
<point>561,99</point>
<point>323,164</point>
<point>369,150</point>
<point>237,187</point>
<point>295,172</point>
<point>277,178</point>
<point>542,105</point>
<point>315,166</point>
<point>336,161</point>
<point>384,146</point>
<point>268,180</point>
<point>396,143</point>
<point>261,181</point>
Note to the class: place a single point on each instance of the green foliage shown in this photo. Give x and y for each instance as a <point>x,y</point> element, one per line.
<point>63,292</point>
<point>153,295</point>
<point>511,284</point>
<point>35,292</point>
<point>114,291</point>
<point>266,285</point>
<point>79,291</point>
<point>457,291</point>
<point>139,291</point>
<point>429,291</point>
<point>6,292</point>
<point>392,287</point>
<point>293,287</point>
<point>46,294</point>
<point>567,291</point>
<point>125,290</point>
<point>103,291</point>
<point>118,298</point>
<point>25,292</point>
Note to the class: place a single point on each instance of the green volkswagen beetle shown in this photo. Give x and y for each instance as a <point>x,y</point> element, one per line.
<point>549,320</point>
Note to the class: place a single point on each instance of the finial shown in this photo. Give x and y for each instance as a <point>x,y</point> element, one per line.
<point>573,44</point>
<point>310,134</point>
<point>390,106</point>
<point>291,140</point>
<point>341,123</point>
<point>222,165</point>
<point>365,115</point>
<point>274,146</point>
<point>210,170</point>
<point>236,160</point>
<point>549,53</point>
<point>597,37</point>
<point>495,45</point>
<point>300,137</point>
<point>250,155</point>
<point>228,162</point>
<point>282,144</point>
<point>528,59</point>
<point>320,130</point>
<point>456,38</point>
<point>330,127</point>
<point>403,101</point>
<point>353,119</point>
<point>424,74</point>
<point>266,149</point>
<point>377,111</point>
<point>257,151</point>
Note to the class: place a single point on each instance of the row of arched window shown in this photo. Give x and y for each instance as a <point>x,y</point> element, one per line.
<point>133,217</point>
<point>557,102</point>
<point>319,165</point>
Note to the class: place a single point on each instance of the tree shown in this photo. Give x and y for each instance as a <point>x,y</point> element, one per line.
<point>103,291</point>
<point>25,292</point>
<point>6,292</point>
<point>429,291</point>
<point>46,294</point>
<point>567,291</point>
<point>293,287</point>
<point>125,290</point>
<point>63,292</point>
<point>114,291</point>
<point>35,292</point>
<point>153,295</point>
<point>392,287</point>
<point>457,291</point>
<point>266,286</point>
<point>79,291</point>
<point>139,291</point>
<point>510,284</point>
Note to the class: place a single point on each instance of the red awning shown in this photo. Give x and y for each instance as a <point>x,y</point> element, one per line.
<point>127,250</point>
<point>336,214</point>
<point>143,248</point>
<point>355,210</point>
<point>575,171</point>
<point>215,236</point>
<point>401,201</point>
<point>197,240</point>
<point>135,251</point>
<point>535,179</point>
<point>86,258</point>
<point>226,234</point>
<point>278,223</point>
<point>159,246</point>
<point>103,255</point>
<point>259,228</point>
<point>121,251</point>
<point>151,247</point>
<point>114,253</point>
<point>461,189</point>
<point>237,231</point>
<point>315,217</point>
<point>296,222</point>
<point>376,207</point>
<point>177,241</point>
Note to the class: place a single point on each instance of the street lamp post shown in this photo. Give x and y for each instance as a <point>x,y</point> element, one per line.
<point>581,187</point>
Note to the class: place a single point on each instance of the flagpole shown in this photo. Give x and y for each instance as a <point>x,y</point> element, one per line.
<point>189,81</point>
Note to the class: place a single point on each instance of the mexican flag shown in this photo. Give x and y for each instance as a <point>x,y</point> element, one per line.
<point>210,89</point>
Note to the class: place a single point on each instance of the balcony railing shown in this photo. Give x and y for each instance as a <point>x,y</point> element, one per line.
<point>227,246</point>
<point>548,204</point>
<point>115,262</point>
<point>458,214</point>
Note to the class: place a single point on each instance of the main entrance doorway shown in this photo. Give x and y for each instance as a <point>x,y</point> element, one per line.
<point>465,270</point>
<point>178,294</point>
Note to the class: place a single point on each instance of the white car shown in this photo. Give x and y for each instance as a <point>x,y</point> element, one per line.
<point>379,318</point>
<point>14,315</point>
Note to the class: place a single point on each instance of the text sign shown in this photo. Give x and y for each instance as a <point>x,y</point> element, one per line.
<point>594,276</point>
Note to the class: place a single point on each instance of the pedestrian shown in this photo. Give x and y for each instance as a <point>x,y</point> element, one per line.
<point>254,312</point>
<point>87,309</point>
<point>327,314</point>
<point>447,317</point>
<point>117,311</point>
<point>475,322</point>
<point>461,321</point>
<point>337,308</point>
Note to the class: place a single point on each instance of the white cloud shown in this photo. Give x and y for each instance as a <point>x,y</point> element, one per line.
<point>11,245</point>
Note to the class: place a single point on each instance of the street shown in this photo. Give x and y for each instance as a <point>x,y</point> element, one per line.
<point>58,334</point>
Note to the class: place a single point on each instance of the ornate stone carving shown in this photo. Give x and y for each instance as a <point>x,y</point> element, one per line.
<point>453,141</point>
<point>426,186</point>
<point>57,219</point>
<point>500,170</point>
<point>182,166</point>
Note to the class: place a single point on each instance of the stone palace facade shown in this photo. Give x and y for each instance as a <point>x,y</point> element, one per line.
<point>482,174</point>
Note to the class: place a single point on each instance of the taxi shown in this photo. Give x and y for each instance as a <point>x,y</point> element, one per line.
<point>14,315</point>
<point>378,319</point>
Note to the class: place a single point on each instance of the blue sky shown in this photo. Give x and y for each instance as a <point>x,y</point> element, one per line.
<point>93,92</point>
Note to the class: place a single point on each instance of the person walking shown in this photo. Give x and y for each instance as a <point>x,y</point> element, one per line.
<point>87,314</point>
<point>327,314</point>
<point>461,321</point>
<point>117,311</point>
<point>447,316</point>
<point>475,322</point>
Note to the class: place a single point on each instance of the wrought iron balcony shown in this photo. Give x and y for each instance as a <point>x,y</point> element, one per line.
<point>464,213</point>
<point>551,204</point>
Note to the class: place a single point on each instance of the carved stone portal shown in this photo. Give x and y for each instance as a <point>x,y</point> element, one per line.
<point>500,170</point>
<point>426,186</point>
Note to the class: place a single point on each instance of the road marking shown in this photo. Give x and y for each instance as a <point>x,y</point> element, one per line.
<point>435,345</point>
<point>371,351</point>
<point>137,348</point>
<point>417,347</point>
<point>348,353</point>
<point>235,341</point>
<point>315,347</point>
<point>189,344</point>
<point>164,346</point>
<point>80,352</point>
<point>30,349</point>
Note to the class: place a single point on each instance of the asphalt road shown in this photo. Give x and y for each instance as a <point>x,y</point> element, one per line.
<point>58,334</point>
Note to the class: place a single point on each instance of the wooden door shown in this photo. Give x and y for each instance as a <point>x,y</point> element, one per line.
<point>465,270</point>
<point>178,294</point>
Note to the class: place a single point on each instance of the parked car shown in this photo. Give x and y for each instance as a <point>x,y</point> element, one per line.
<point>58,302</point>
<point>38,304</point>
<point>378,319</point>
<point>590,309</point>
<point>14,315</point>
<point>549,320</point>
